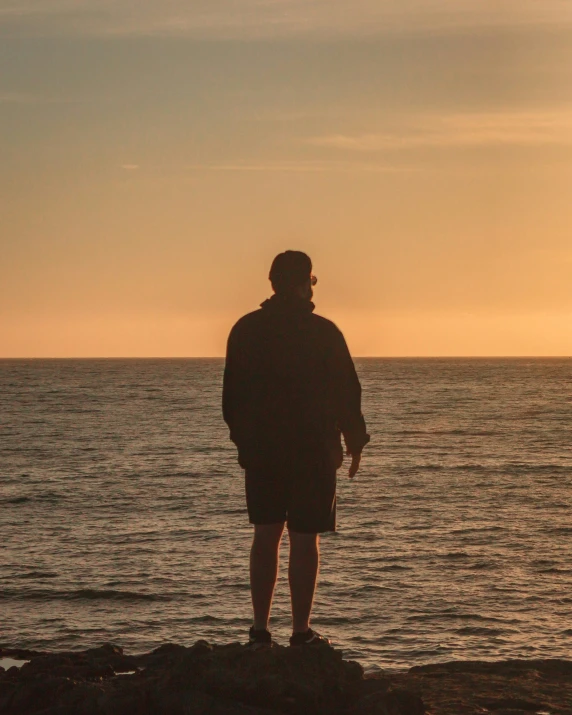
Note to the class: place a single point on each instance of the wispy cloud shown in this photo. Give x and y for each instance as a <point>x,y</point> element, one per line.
<point>269,18</point>
<point>460,130</point>
<point>302,167</point>
<point>32,99</point>
<point>130,167</point>
<point>16,98</point>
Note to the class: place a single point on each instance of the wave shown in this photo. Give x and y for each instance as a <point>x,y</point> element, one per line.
<point>558,530</point>
<point>447,616</point>
<point>83,410</point>
<point>16,500</point>
<point>531,467</point>
<point>90,594</point>
<point>482,565</point>
<point>51,497</point>
<point>455,432</point>
<point>37,574</point>
<point>476,529</point>
<point>454,555</point>
<point>371,588</point>
<point>479,631</point>
<point>342,620</point>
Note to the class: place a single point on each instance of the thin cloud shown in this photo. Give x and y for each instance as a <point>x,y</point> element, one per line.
<point>302,167</point>
<point>130,167</point>
<point>16,98</point>
<point>25,99</point>
<point>461,130</point>
<point>249,19</point>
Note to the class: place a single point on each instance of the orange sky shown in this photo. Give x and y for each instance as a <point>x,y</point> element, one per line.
<point>152,163</point>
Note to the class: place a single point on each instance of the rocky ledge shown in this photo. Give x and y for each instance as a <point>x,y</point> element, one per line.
<point>234,680</point>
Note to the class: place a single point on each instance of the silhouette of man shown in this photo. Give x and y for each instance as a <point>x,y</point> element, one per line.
<point>290,391</point>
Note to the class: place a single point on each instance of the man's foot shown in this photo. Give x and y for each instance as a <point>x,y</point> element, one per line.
<point>259,638</point>
<point>309,638</point>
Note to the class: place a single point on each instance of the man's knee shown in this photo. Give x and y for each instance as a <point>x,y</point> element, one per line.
<point>267,536</point>
<point>303,542</point>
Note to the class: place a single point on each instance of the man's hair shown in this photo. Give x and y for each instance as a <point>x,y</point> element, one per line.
<point>290,270</point>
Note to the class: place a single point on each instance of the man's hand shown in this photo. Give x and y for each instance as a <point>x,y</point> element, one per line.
<point>354,466</point>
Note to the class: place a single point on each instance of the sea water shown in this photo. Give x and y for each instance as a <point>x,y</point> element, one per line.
<point>122,512</point>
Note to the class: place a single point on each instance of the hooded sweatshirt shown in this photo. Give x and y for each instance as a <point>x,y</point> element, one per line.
<point>290,387</point>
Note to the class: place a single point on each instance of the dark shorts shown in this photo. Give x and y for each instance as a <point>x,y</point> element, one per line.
<point>302,494</point>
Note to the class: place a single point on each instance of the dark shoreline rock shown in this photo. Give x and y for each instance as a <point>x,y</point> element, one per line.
<point>234,680</point>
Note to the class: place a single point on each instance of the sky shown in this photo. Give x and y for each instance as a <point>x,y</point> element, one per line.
<point>154,157</point>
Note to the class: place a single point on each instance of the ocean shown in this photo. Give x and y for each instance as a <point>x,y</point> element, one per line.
<point>123,520</point>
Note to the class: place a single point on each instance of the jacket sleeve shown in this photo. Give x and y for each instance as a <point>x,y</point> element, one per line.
<point>232,383</point>
<point>348,393</point>
<point>237,398</point>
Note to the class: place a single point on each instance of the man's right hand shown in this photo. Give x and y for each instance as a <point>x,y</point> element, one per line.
<point>354,466</point>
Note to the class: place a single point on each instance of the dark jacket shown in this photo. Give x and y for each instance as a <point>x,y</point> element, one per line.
<point>290,386</point>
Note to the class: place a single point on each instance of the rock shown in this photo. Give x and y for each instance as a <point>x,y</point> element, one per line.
<point>103,652</point>
<point>7,690</point>
<point>549,667</point>
<point>497,704</point>
<point>285,679</point>
<point>67,668</point>
<point>106,699</point>
<point>371,686</point>
<point>166,654</point>
<point>235,680</point>
<point>393,702</point>
<point>20,653</point>
<point>124,663</point>
<point>174,648</point>
<point>31,696</point>
<point>191,702</point>
<point>513,686</point>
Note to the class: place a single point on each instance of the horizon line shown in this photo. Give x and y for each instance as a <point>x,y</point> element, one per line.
<point>356,357</point>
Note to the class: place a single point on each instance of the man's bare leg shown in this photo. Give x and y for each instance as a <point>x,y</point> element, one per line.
<point>302,575</point>
<point>264,570</point>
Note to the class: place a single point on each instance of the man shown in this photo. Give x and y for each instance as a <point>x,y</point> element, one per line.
<point>290,391</point>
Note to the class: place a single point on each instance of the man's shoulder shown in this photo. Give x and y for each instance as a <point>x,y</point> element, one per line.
<point>326,326</point>
<point>257,315</point>
<point>247,321</point>
<point>324,323</point>
<point>255,320</point>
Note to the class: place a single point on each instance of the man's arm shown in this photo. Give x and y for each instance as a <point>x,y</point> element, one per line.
<point>350,417</point>
<point>231,383</point>
<point>238,393</point>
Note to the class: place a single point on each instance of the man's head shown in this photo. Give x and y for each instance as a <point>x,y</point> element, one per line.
<point>291,274</point>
